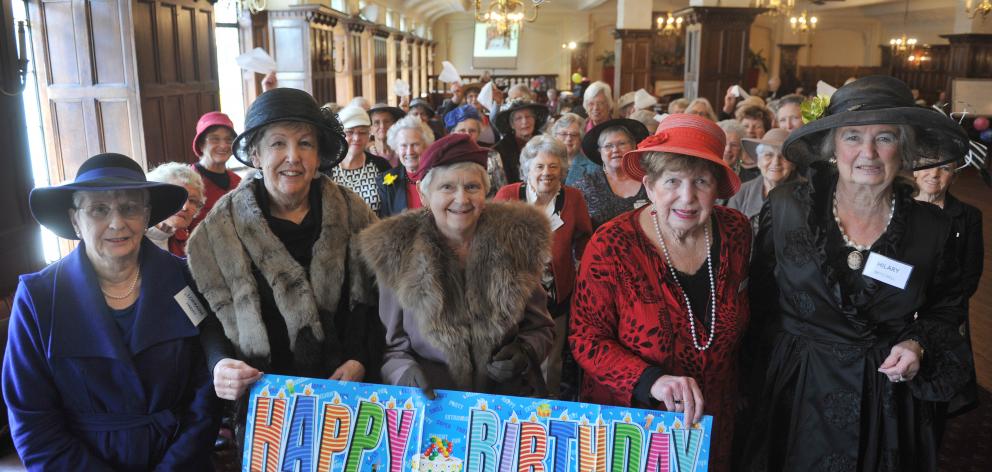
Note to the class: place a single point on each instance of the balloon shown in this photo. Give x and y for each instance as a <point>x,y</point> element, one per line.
<point>986,136</point>
<point>576,78</point>
<point>981,123</point>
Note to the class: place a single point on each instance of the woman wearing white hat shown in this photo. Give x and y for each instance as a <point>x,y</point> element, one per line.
<point>360,170</point>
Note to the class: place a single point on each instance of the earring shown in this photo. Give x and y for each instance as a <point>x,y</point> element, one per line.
<point>833,160</point>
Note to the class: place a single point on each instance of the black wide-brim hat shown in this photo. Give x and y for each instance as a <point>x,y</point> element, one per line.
<point>397,112</point>
<point>541,113</point>
<point>880,100</point>
<point>590,142</point>
<point>103,172</point>
<point>289,104</point>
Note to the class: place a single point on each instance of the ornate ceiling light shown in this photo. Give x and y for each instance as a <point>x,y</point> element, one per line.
<point>903,44</point>
<point>983,8</point>
<point>776,7</point>
<point>507,16</point>
<point>669,25</point>
<point>804,23</point>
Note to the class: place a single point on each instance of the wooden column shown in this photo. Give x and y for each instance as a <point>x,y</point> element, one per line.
<point>789,68</point>
<point>716,49</point>
<point>969,56</point>
<point>633,65</point>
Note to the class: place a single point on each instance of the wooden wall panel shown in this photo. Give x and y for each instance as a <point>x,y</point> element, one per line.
<point>70,139</point>
<point>114,110</point>
<point>61,44</point>
<point>108,51</point>
<point>175,54</point>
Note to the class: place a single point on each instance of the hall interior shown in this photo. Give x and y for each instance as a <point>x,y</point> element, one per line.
<point>81,77</point>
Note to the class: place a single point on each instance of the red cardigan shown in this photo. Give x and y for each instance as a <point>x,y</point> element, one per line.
<point>568,241</point>
<point>211,193</point>
<point>627,315</point>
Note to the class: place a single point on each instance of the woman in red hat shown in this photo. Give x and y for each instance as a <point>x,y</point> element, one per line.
<point>659,308</point>
<point>212,144</point>
<point>459,281</point>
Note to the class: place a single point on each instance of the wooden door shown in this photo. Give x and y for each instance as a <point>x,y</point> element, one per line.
<point>87,82</point>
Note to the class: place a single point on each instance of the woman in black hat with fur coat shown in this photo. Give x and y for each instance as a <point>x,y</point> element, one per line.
<point>276,260</point>
<point>855,295</point>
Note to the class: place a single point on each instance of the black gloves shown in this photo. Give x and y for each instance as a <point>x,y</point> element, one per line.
<point>414,377</point>
<point>509,362</point>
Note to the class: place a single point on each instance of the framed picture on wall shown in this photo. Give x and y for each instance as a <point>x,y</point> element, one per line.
<point>493,50</point>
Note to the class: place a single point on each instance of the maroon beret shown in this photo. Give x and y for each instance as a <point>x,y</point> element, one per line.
<point>451,149</point>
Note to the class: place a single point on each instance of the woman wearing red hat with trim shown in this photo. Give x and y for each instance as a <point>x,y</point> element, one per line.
<point>659,308</point>
<point>459,281</point>
<point>212,144</point>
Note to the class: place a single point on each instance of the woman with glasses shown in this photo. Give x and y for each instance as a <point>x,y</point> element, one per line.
<point>103,368</point>
<point>568,130</point>
<point>611,191</point>
<point>360,170</point>
<point>172,233</point>
<point>212,145</point>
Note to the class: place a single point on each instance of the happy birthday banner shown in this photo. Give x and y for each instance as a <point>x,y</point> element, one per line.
<point>313,425</point>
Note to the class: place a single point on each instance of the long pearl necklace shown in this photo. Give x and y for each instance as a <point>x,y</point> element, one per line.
<point>855,258</point>
<point>130,290</point>
<point>671,268</point>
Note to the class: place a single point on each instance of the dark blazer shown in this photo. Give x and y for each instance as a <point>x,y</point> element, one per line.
<point>380,163</point>
<point>80,398</point>
<point>392,197</point>
<point>966,230</point>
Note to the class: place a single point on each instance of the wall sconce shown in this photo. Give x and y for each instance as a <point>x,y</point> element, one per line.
<point>12,80</point>
<point>669,25</point>
<point>570,45</point>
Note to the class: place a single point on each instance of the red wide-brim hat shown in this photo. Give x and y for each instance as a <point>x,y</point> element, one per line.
<point>687,135</point>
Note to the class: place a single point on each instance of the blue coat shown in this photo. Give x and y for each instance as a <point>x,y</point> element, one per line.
<point>80,398</point>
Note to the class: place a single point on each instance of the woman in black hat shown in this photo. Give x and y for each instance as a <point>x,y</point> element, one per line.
<point>611,192</point>
<point>855,297</point>
<point>103,369</point>
<point>518,121</point>
<point>275,260</point>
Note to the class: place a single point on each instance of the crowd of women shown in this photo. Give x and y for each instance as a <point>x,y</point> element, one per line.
<point>723,268</point>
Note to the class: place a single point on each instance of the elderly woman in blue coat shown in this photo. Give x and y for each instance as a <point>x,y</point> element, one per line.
<point>103,368</point>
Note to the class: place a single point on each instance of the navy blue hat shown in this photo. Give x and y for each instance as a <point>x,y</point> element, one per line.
<point>460,114</point>
<point>103,172</point>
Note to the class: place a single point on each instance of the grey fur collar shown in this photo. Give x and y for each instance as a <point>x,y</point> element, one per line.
<point>235,235</point>
<point>463,313</point>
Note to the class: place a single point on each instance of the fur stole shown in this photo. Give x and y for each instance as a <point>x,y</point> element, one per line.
<point>234,237</point>
<point>464,313</point>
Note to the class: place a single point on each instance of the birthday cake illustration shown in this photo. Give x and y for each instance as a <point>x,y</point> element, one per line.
<point>437,457</point>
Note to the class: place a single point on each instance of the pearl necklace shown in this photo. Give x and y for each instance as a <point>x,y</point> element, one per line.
<point>671,268</point>
<point>855,258</point>
<point>130,290</point>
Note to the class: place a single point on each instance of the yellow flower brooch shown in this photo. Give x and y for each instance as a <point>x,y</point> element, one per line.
<point>388,179</point>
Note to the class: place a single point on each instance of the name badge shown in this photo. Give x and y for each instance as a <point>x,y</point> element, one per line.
<point>191,305</point>
<point>887,270</point>
<point>556,222</point>
<point>640,203</point>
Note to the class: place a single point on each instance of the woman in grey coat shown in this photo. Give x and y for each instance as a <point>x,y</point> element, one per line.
<point>460,281</point>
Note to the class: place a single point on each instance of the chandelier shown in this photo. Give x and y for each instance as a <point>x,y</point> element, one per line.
<point>776,7</point>
<point>669,25</point>
<point>919,57</point>
<point>983,8</point>
<point>903,44</point>
<point>804,23</point>
<point>507,16</point>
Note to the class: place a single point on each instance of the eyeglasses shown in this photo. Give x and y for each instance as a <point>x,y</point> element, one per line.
<point>355,132</point>
<point>198,204</point>
<point>563,136</point>
<point>102,211</point>
<point>615,146</point>
<point>215,140</point>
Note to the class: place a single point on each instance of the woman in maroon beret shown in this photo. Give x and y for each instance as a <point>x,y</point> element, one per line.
<point>460,289</point>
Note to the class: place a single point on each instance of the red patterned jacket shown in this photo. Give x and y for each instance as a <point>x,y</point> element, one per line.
<point>627,315</point>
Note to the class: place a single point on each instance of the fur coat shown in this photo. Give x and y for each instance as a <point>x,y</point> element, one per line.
<point>449,320</point>
<point>233,251</point>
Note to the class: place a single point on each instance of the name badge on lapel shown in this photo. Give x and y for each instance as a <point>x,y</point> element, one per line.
<point>191,305</point>
<point>556,222</point>
<point>887,270</point>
